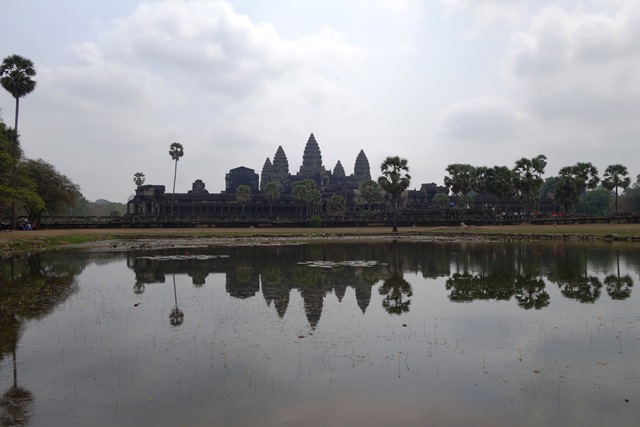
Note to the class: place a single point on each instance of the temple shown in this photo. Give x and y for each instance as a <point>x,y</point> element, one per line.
<point>153,200</point>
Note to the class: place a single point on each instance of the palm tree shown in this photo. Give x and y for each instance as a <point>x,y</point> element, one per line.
<point>138,178</point>
<point>243,195</point>
<point>272,193</point>
<point>528,181</point>
<point>175,151</point>
<point>616,176</point>
<point>587,178</point>
<point>394,181</point>
<point>15,76</point>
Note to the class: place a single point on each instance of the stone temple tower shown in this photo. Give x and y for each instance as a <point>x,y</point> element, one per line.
<point>280,167</point>
<point>361,169</point>
<point>267,171</point>
<point>312,158</point>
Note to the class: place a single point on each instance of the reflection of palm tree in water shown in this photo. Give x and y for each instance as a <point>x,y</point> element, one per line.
<point>396,292</point>
<point>16,401</point>
<point>176,317</point>
<point>618,288</point>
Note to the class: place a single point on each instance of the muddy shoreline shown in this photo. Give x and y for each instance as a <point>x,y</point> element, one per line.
<point>16,242</point>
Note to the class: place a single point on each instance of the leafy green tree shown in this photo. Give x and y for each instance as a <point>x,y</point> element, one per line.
<point>501,183</point>
<point>549,187</point>
<point>16,74</point>
<point>9,141</point>
<point>17,188</point>
<point>616,176</point>
<point>598,201</point>
<point>337,204</point>
<point>394,181</point>
<point>440,200</point>
<point>243,195</point>
<point>272,193</point>
<point>630,199</point>
<point>56,190</point>
<point>370,192</point>
<point>176,152</point>
<point>138,179</point>
<point>460,179</point>
<point>306,192</point>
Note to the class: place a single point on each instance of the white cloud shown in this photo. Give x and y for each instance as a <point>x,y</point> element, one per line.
<point>491,13</point>
<point>575,93</point>
<point>579,66</point>
<point>196,72</point>
<point>489,119</point>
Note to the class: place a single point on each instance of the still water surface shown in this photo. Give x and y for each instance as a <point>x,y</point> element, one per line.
<point>375,334</point>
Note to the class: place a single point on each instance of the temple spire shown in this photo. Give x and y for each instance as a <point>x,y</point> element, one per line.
<point>312,158</point>
<point>361,170</point>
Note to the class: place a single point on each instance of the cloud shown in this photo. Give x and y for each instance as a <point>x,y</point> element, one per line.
<point>221,48</point>
<point>571,91</point>
<point>489,119</point>
<point>229,89</point>
<point>490,13</point>
<point>579,66</point>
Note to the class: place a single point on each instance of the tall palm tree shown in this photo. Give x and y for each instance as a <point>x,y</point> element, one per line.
<point>616,176</point>
<point>15,76</point>
<point>138,179</point>
<point>175,151</point>
<point>528,181</point>
<point>272,193</point>
<point>394,181</point>
<point>243,195</point>
<point>587,178</point>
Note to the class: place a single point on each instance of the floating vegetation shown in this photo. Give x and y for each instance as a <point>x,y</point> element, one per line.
<point>183,257</point>
<point>332,264</point>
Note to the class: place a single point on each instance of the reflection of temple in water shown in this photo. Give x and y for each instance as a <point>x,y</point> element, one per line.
<point>498,272</point>
<point>275,272</point>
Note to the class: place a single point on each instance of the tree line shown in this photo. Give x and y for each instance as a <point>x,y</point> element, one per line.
<point>524,183</point>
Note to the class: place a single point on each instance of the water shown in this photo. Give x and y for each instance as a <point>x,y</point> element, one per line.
<point>371,334</point>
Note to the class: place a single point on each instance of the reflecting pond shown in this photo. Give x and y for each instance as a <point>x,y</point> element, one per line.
<point>378,333</point>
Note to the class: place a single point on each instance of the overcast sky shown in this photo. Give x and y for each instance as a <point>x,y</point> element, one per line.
<point>484,82</point>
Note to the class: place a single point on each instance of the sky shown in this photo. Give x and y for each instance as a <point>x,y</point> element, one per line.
<point>484,82</point>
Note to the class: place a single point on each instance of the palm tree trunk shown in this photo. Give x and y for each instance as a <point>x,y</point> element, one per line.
<point>395,215</point>
<point>173,194</point>
<point>17,111</point>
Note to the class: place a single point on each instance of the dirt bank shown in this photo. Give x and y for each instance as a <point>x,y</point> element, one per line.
<point>20,241</point>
